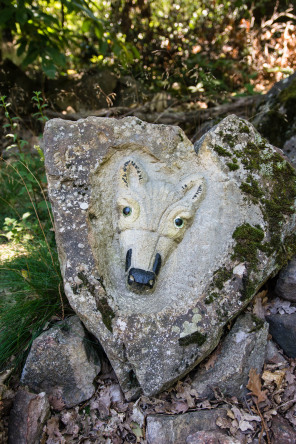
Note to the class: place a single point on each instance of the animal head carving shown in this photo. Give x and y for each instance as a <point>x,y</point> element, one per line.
<point>152,218</point>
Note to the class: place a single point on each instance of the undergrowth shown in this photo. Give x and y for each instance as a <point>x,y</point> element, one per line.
<point>31,290</point>
<point>31,298</point>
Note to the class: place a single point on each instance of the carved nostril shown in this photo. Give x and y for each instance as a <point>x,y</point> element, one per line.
<point>128,259</point>
<point>131,279</point>
<point>151,283</point>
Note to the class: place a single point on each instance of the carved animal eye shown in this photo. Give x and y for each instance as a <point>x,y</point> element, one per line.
<point>127,211</point>
<point>179,222</point>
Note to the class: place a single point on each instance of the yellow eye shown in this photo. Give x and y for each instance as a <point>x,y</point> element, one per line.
<point>179,222</point>
<point>127,211</point>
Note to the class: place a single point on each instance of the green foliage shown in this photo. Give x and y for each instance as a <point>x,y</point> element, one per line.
<point>186,48</point>
<point>41,105</point>
<point>12,127</point>
<point>31,285</point>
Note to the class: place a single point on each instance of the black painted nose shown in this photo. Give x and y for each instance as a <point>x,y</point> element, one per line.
<point>139,278</point>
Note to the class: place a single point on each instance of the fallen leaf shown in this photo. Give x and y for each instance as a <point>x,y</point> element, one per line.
<point>137,430</point>
<point>53,431</point>
<point>282,307</point>
<point>258,308</point>
<point>254,385</point>
<point>179,407</point>
<point>245,425</point>
<point>277,376</point>
<point>223,423</point>
<point>104,402</point>
<point>290,377</point>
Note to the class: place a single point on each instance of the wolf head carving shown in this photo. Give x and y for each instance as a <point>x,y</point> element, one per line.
<point>152,218</point>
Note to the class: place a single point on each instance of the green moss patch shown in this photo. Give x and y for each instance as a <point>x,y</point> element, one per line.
<point>195,338</point>
<point>222,151</point>
<point>248,242</point>
<point>106,312</point>
<point>220,276</point>
<point>212,296</point>
<point>232,166</point>
<point>252,188</point>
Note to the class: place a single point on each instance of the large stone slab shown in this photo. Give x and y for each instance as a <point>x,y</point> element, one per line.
<point>243,348</point>
<point>180,429</point>
<point>27,417</point>
<point>63,363</point>
<point>162,243</point>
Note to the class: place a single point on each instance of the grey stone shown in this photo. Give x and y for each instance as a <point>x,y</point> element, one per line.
<point>243,348</point>
<point>286,283</point>
<point>63,363</point>
<point>282,328</point>
<point>176,429</point>
<point>27,418</point>
<point>162,243</point>
<point>273,356</point>
<point>289,149</point>
<point>282,431</point>
<point>203,437</point>
<point>275,116</point>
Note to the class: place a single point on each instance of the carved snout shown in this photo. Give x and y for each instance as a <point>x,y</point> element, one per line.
<point>139,278</point>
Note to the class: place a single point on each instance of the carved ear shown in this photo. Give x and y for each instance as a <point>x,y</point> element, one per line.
<point>132,174</point>
<point>193,187</point>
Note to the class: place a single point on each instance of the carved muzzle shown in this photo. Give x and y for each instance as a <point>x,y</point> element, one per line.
<point>138,278</point>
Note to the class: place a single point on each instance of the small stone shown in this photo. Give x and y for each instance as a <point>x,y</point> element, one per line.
<point>282,328</point>
<point>273,356</point>
<point>282,431</point>
<point>243,348</point>
<point>176,429</point>
<point>63,363</point>
<point>203,437</point>
<point>286,285</point>
<point>27,418</point>
<point>290,149</point>
<point>84,206</point>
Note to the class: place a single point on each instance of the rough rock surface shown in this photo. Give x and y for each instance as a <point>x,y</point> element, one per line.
<point>176,429</point>
<point>27,418</point>
<point>63,363</point>
<point>273,356</point>
<point>275,117</point>
<point>243,348</point>
<point>207,224</point>
<point>211,438</point>
<point>282,432</point>
<point>286,283</point>
<point>282,328</point>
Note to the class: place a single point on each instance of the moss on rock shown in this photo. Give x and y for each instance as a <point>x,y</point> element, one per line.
<point>248,242</point>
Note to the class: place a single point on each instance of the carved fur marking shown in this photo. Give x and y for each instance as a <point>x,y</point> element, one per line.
<point>153,216</point>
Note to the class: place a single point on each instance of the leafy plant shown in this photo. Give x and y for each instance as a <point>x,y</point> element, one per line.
<point>12,124</point>
<point>14,228</point>
<point>41,105</point>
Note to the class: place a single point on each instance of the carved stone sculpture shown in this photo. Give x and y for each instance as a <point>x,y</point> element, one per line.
<point>162,243</point>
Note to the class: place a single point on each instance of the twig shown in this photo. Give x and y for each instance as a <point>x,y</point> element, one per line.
<point>263,424</point>
<point>62,302</point>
